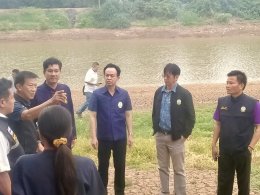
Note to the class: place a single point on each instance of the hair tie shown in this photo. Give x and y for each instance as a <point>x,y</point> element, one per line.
<point>58,142</point>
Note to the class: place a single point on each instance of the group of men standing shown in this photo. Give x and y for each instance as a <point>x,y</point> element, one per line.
<point>237,124</point>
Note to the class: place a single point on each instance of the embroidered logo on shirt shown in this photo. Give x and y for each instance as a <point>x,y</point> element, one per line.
<point>243,109</point>
<point>120,104</point>
<point>178,102</point>
<point>12,134</point>
<point>223,108</point>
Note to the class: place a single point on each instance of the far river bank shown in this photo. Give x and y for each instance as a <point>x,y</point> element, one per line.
<point>232,29</point>
<point>203,94</point>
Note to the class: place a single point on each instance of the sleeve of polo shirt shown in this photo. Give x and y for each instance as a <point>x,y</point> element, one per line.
<point>4,145</point>
<point>18,110</point>
<point>128,102</point>
<point>34,101</point>
<point>92,106</point>
<point>216,115</point>
<point>257,114</point>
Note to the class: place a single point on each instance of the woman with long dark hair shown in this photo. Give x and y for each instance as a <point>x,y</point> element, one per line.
<point>55,171</point>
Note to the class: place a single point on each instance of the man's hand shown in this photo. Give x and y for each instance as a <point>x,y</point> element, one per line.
<point>130,140</point>
<point>94,143</point>
<point>100,83</point>
<point>59,97</point>
<point>215,153</point>
<point>183,138</point>
<point>73,142</point>
<point>40,147</point>
<point>250,149</point>
<point>5,183</point>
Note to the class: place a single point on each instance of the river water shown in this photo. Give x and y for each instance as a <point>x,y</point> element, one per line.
<point>202,60</point>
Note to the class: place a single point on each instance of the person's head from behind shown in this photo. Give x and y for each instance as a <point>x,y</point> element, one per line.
<point>236,82</point>
<point>54,123</point>
<point>51,70</point>
<point>171,73</point>
<point>95,66</point>
<point>14,73</point>
<point>26,84</point>
<point>6,96</point>
<point>55,126</point>
<point>112,74</point>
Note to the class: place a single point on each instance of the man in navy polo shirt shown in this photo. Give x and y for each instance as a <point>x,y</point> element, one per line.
<point>111,126</point>
<point>237,126</point>
<point>52,70</point>
<point>21,120</point>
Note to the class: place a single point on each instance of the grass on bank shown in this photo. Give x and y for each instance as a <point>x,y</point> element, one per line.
<point>33,19</point>
<point>143,154</point>
<point>110,16</point>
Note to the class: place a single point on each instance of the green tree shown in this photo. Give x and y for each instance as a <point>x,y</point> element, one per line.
<point>204,7</point>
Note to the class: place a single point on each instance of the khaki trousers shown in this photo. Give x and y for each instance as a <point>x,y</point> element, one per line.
<point>174,150</point>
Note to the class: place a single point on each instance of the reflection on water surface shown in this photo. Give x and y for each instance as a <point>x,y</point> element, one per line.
<point>202,60</point>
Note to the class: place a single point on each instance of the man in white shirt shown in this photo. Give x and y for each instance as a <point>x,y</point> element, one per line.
<point>10,148</point>
<point>91,84</point>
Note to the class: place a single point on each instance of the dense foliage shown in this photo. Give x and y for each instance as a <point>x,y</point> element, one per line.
<point>124,13</point>
<point>120,14</point>
<point>11,4</point>
<point>249,9</point>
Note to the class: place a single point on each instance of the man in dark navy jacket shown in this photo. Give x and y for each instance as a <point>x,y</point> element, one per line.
<point>21,120</point>
<point>10,148</point>
<point>173,120</point>
<point>237,126</point>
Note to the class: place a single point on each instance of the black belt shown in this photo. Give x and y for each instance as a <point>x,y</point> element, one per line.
<point>164,131</point>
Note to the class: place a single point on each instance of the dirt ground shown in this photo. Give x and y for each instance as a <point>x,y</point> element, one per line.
<point>142,97</point>
<point>199,182</point>
<point>231,29</point>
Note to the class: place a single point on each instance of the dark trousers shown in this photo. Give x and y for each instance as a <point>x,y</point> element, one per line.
<point>228,164</point>
<point>119,156</point>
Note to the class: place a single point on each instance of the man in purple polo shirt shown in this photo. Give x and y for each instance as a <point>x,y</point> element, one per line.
<point>111,126</point>
<point>51,70</point>
<point>237,126</point>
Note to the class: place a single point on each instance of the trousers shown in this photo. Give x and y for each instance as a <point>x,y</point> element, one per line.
<point>119,157</point>
<point>175,150</point>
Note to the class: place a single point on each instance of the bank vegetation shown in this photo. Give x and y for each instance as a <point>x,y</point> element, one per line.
<point>113,14</point>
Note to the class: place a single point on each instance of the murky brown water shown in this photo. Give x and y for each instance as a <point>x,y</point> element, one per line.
<point>202,60</point>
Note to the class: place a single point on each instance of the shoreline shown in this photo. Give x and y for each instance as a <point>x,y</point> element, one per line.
<point>165,32</point>
<point>203,94</point>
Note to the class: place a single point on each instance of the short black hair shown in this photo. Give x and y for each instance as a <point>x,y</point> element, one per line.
<point>51,61</point>
<point>241,77</point>
<point>95,64</point>
<point>22,75</point>
<point>172,69</point>
<point>15,71</point>
<point>5,85</point>
<point>118,70</point>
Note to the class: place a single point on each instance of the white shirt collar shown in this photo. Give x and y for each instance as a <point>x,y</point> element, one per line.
<point>2,115</point>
